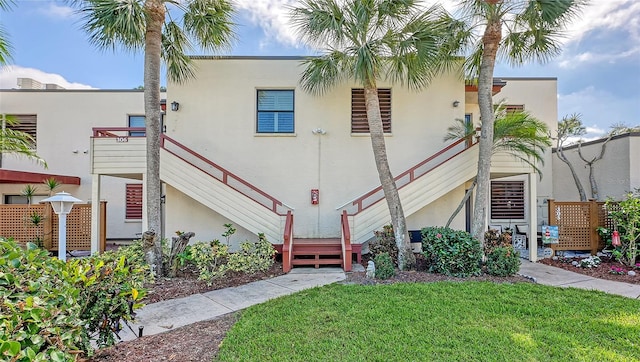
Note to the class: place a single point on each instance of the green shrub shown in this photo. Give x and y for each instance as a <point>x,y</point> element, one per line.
<point>385,242</point>
<point>503,261</point>
<point>39,309</point>
<point>111,287</point>
<point>50,309</point>
<point>252,257</point>
<point>451,252</point>
<point>385,268</point>
<point>210,259</point>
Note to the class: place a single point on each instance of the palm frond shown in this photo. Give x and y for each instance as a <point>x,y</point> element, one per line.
<point>322,73</point>
<point>174,44</point>
<point>522,136</point>
<point>460,130</point>
<point>113,23</point>
<point>19,143</point>
<point>209,23</point>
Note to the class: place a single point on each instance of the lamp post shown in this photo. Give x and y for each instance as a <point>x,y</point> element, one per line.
<point>62,203</point>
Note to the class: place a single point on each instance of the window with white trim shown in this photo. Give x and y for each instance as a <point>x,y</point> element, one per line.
<point>275,112</point>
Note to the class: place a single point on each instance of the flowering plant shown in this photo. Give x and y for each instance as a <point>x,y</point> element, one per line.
<point>590,262</point>
<point>617,270</point>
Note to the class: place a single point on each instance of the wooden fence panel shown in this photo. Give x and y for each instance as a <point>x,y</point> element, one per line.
<point>577,223</point>
<point>16,223</point>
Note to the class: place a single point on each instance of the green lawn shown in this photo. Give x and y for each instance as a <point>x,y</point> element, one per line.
<point>445,321</point>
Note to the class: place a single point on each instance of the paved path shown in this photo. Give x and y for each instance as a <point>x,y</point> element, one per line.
<point>169,314</point>
<point>548,275</point>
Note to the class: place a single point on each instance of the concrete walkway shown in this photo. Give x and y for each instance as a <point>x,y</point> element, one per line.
<point>548,275</point>
<point>170,314</point>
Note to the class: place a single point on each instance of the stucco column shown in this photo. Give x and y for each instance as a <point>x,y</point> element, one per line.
<point>533,217</point>
<point>95,213</point>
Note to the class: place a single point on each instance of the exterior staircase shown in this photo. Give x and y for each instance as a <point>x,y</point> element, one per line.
<point>317,252</point>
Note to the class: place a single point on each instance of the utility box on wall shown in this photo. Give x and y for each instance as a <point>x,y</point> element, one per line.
<point>315,196</point>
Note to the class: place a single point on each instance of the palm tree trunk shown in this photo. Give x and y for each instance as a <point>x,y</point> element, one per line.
<point>491,41</point>
<point>153,40</point>
<point>405,255</point>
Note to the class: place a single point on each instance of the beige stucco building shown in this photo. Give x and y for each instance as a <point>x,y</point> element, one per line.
<point>62,121</point>
<point>616,174</point>
<point>246,144</point>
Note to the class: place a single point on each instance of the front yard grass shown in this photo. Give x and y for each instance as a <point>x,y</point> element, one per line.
<point>445,321</point>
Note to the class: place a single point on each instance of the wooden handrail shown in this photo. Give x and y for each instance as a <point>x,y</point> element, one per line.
<point>413,173</point>
<point>347,254</point>
<point>287,244</point>
<point>227,176</point>
<point>103,132</point>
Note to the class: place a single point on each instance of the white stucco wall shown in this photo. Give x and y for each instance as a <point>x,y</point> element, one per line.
<point>616,174</point>
<point>539,97</point>
<point>65,119</point>
<point>217,119</point>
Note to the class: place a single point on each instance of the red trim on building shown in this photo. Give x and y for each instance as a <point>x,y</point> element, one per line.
<point>23,177</point>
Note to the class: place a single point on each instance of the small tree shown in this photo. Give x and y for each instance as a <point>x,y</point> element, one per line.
<point>517,133</point>
<point>571,126</point>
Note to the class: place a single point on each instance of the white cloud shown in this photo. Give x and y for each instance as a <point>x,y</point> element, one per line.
<point>56,11</point>
<point>606,16</point>
<point>272,16</point>
<point>9,78</point>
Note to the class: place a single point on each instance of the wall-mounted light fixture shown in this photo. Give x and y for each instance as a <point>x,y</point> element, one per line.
<point>175,106</point>
<point>319,131</point>
<point>456,103</point>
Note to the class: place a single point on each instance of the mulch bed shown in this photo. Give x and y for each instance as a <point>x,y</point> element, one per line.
<point>601,272</point>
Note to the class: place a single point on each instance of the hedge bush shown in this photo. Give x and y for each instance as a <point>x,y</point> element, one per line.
<point>503,261</point>
<point>50,310</point>
<point>451,252</point>
<point>384,242</point>
<point>385,267</point>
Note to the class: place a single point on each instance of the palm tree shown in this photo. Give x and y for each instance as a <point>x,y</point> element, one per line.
<point>532,30</point>
<point>516,133</point>
<point>367,41</point>
<point>148,25</point>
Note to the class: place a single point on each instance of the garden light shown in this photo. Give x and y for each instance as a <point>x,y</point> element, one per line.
<point>62,203</point>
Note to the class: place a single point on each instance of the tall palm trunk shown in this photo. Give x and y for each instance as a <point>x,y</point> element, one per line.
<point>376,131</point>
<point>152,58</point>
<point>491,41</point>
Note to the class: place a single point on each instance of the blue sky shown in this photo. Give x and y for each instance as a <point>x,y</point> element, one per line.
<point>598,72</point>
